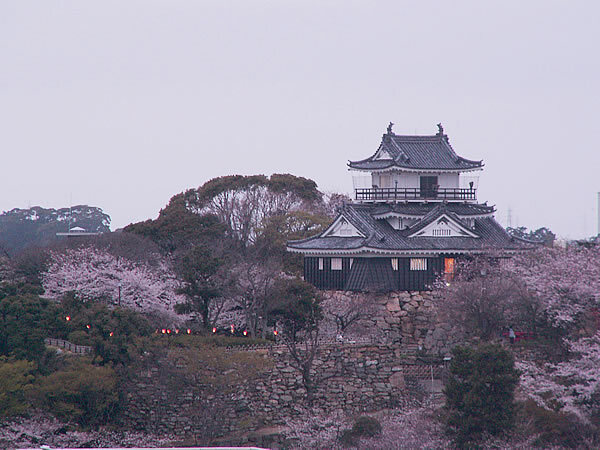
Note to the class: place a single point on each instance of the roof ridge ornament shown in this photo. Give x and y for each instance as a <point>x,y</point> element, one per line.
<point>440,129</point>
<point>389,128</point>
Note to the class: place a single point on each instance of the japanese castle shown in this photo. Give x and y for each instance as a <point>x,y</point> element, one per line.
<point>417,214</point>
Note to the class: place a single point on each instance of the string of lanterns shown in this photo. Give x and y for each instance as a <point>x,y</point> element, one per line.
<point>169,331</point>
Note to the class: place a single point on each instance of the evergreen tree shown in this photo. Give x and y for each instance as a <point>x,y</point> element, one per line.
<point>480,393</point>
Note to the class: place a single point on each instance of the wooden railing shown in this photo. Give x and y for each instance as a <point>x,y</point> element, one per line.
<point>384,194</point>
<point>81,349</point>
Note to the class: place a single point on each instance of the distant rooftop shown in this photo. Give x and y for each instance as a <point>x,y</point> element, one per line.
<point>78,231</point>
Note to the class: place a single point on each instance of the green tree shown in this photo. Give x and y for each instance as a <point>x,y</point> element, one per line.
<point>480,393</point>
<point>297,309</point>
<point>16,378</point>
<point>92,323</point>
<point>25,320</point>
<point>179,228</point>
<point>542,235</point>
<point>277,230</point>
<point>198,271</point>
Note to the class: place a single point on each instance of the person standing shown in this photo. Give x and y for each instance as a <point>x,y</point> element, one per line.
<point>511,334</point>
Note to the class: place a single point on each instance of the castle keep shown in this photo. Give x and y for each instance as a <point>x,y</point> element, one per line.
<point>415,215</point>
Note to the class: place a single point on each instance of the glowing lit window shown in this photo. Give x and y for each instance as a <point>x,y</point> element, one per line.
<point>336,263</point>
<point>394,263</point>
<point>449,267</point>
<point>320,263</point>
<point>418,264</point>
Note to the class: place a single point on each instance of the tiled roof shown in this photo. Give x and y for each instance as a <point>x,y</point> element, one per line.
<point>380,235</point>
<point>416,152</point>
<point>421,209</point>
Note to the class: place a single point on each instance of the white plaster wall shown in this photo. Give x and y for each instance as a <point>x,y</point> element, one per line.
<point>375,179</point>
<point>448,180</point>
<point>412,179</point>
<point>406,180</point>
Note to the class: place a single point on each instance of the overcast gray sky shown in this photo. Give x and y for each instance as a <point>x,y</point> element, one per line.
<point>122,104</point>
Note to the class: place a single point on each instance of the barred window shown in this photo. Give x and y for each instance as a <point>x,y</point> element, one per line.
<point>394,263</point>
<point>336,263</point>
<point>441,232</point>
<point>320,263</point>
<point>418,264</point>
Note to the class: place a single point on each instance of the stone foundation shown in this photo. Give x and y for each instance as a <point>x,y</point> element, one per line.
<point>403,362</point>
<point>349,378</point>
<point>404,318</point>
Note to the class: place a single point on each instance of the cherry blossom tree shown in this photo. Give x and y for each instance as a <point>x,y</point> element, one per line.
<point>481,298</point>
<point>567,281</point>
<point>96,274</point>
<point>568,384</point>
<point>558,289</point>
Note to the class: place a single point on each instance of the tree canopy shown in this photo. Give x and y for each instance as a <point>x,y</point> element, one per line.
<point>542,235</point>
<point>480,393</point>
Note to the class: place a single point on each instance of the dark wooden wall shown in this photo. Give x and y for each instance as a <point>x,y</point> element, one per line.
<point>326,278</point>
<point>407,280</point>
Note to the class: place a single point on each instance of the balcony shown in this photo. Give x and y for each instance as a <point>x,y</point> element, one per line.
<point>401,194</point>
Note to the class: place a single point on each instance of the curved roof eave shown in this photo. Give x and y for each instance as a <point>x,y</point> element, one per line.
<point>366,251</point>
<point>412,169</point>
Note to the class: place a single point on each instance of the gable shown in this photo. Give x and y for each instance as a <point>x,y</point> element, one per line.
<point>382,153</point>
<point>444,226</point>
<point>342,227</point>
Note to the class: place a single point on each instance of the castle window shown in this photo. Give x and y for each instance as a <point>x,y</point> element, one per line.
<point>394,263</point>
<point>418,264</point>
<point>320,263</point>
<point>441,232</point>
<point>449,267</point>
<point>336,263</point>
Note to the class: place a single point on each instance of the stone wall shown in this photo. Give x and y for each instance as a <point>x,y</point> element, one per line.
<point>408,342</point>
<point>349,378</point>
<point>404,318</point>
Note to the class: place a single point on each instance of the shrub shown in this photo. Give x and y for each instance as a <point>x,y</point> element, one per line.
<point>81,392</point>
<point>366,426</point>
<point>348,438</point>
<point>480,393</point>
<point>554,427</point>
<point>16,378</point>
